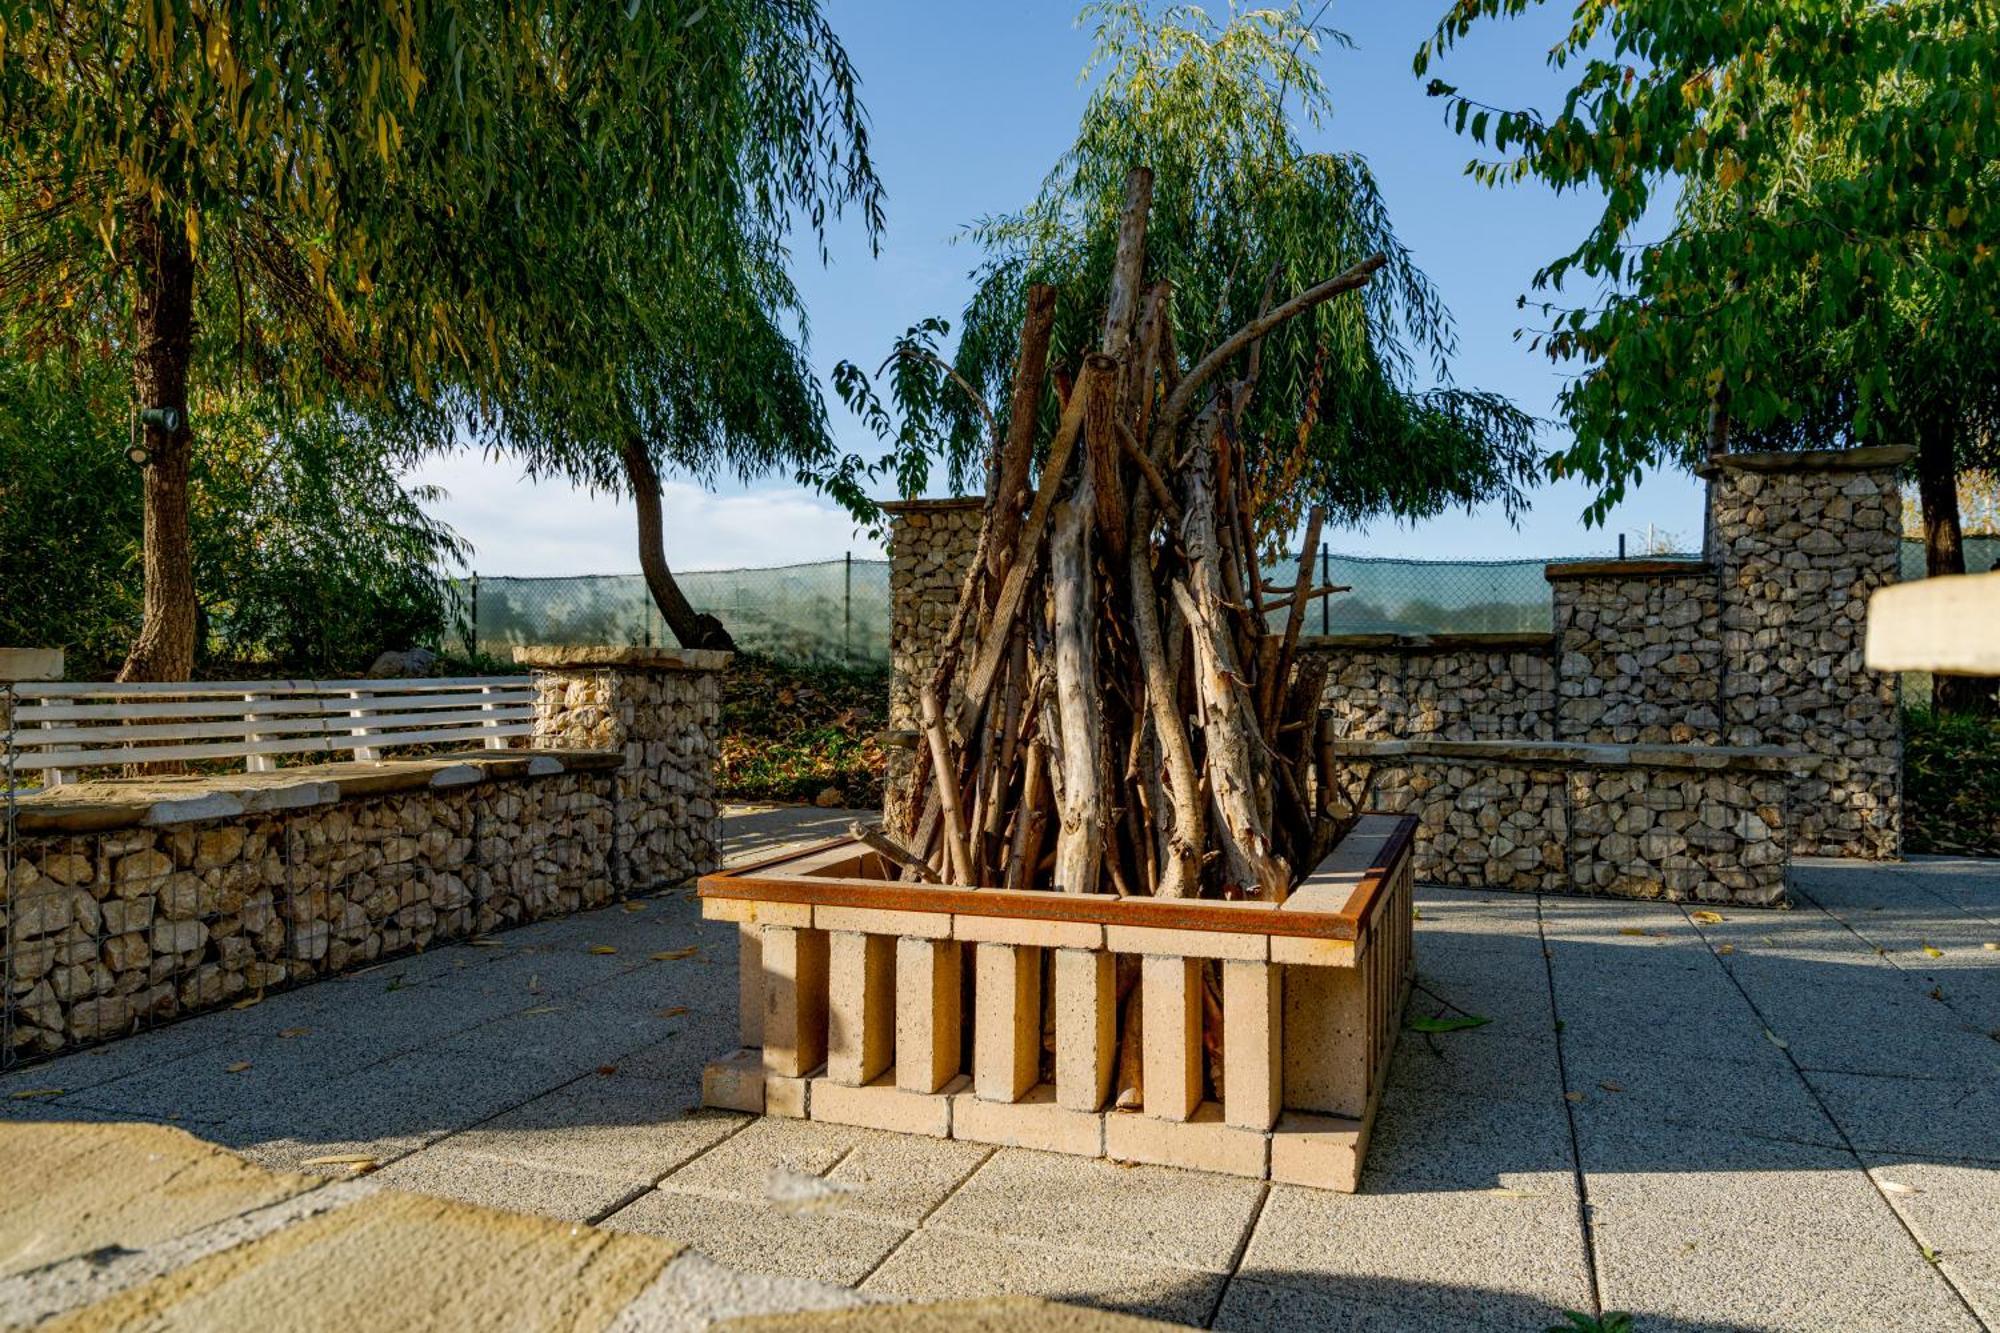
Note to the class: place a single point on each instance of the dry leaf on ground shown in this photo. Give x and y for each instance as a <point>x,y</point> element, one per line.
<point>236,1068</point>
<point>1707,918</point>
<point>602,948</point>
<point>674,955</point>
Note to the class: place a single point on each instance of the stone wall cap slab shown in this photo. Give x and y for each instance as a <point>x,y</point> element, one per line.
<point>31,664</point>
<point>632,656</point>
<point>1881,456</point>
<point>1627,569</point>
<point>933,506</point>
<point>100,807</point>
<point>1489,641</point>
<point>1767,758</point>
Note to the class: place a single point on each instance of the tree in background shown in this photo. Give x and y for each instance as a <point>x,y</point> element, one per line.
<point>281,501</point>
<point>1827,276</point>
<point>1354,409</point>
<point>423,213</point>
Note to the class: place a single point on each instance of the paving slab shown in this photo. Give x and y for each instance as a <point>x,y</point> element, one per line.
<point>373,1264</point>
<point>769,1150</point>
<point>900,1178</point>
<point>695,1293</point>
<point>936,1264</point>
<point>1922,1117</point>
<point>819,1244</point>
<point>1511,1254</point>
<point>1772,1236</point>
<point>1146,1214</point>
<point>511,1185</point>
<point>617,1127</point>
<point>1950,1207</point>
<point>1759,1096</point>
<point>1488,1062</point>
<point>1351,1304</point>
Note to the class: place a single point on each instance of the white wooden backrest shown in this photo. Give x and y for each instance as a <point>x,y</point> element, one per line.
<point>63,727</point>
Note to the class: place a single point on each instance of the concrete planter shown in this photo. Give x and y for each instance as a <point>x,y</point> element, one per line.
<point>854,1009</point>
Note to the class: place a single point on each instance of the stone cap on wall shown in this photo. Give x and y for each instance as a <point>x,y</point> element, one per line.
<point>1650,568</point>
<point>1498,641</point>
<point>1585,754</point>
<point>550,657</point>
<point>1876,457</point>
<point>97,807</point>
<point>933,506</point>
<point>31,664</point>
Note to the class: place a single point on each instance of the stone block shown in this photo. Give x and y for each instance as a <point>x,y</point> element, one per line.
<point>1007,1021</point>
<point>861,1006</point>
<point>1036,1121</point>
<point>1324,1152</point>
<point>1246,946</point>
<point>885,1106</point>
<point>1086,1023</point>
<point>873,921</point>
<point>1202,1142</point>
<point>1252,1045</point>
<point>795,1000</point>
<point>1170,997</point>
<point>735,1082</point>
<point>1028,932</point>
<point>929,975</point>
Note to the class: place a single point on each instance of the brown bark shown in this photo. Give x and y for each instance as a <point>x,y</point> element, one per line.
<point>163,339</point>
<point>692,629</point>
<point>1017,455</point>
<point>1944,549</point>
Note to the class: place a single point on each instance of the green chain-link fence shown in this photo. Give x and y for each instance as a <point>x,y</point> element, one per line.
<point>838,610</point>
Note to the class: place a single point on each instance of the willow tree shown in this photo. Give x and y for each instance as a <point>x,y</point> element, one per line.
<point>1830,269</point>
<point>409,209</point>
<point>1355,414</point>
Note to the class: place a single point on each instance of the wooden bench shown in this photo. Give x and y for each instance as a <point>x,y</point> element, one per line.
<point>61,728</point>
<point>852,1009</point>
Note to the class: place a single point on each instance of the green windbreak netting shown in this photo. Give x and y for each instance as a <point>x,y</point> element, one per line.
<point>838,610</point>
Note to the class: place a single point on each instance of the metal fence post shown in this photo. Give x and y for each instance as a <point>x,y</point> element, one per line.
<point>472,620</point>
<point>847,613</point>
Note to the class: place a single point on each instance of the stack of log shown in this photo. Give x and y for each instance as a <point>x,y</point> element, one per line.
<point>1118,704</point>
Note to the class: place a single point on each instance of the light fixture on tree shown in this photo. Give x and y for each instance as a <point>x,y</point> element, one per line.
<point>167,419</point>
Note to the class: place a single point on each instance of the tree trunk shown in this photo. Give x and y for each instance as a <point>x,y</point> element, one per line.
<point>1944,548</point>
<point>163,337</point>
<point>691,628</point>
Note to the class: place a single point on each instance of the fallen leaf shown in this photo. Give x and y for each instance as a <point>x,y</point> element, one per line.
<point>1609,1086</point>
<point>539,1009</point>
<point>1707,918</point>
<point>236,1068</point>
<point>1455,1023</point>
<point>602,948</point>
<point>1509,1192</point>
<point>295,1032</point>
<point>1777,1040</point>
<point>485,942</point>
<point>674,1012</point>
<point>359,1164</point>
<point>674,955</point>
<point>1931,1256</point>
<point>1725,948</point>
<point>634,907</point>
<point>30,1094</point>
<point>248,1001</point>
<point>1930,952</point>
<point>1991,946</point>
<point>607,1070</point>
<point>1573,1097</point>
<point>1898,1187</point>
<point>1634,930</point>
<point>534,983</point>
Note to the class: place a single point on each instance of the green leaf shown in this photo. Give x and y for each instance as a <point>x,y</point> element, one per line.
<point>1450,1023</point>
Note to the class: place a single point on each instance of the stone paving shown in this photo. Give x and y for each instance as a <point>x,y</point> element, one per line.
<point>1762,1120</point>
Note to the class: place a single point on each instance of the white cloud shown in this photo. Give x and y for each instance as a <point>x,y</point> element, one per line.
<point>546,528</point>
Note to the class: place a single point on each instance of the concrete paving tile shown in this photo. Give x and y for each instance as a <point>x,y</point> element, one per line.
<point>414,1098</point>
<point>1800,1240</point>
<point>769,1149</point>
<point>1353,1305</point>
<point>1953,1207</point>
<point>694,1293</point>
<point>1921,1117</point>
<point>1969,884</point>
<point>1513,1256</point>
<point>564,1030</point>
<point>1685,1007</point>
<point>902,1178</point>
<point>1149,1214</point>
<point>1481,1062</point>
<point>1426,1141</point>
<point>515,1186</point>
<point>944,1265</point>
<point>1761,1095</point>
<point>819,1244</point>
<point>1873,1025</point>
<point>617,1127</point>
<point>230,1080</point>
<point>142,1051</point>
<point>677,1061</point>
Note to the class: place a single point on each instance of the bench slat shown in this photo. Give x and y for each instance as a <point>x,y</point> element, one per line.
<point>228,688</point>
<point>273,727</point>
<point>146,754</point>
<point>339,704</point>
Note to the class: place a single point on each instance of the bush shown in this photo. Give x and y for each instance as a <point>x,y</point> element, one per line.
<point>790,731</point>
<point>1951,783</point>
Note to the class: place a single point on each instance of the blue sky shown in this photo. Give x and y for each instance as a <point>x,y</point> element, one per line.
<point>970,104</point>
